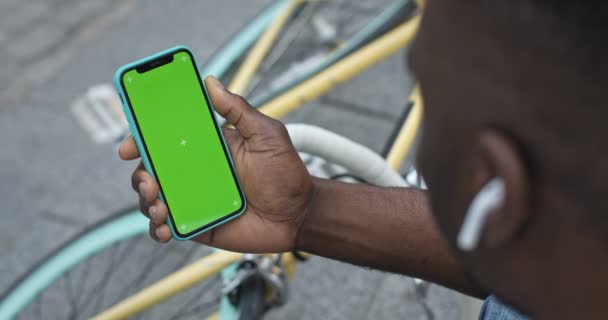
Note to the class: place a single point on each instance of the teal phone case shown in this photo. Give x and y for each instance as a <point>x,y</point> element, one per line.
<point>140,146</point>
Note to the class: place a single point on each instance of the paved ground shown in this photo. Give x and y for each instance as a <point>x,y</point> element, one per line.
<point>54,181</point>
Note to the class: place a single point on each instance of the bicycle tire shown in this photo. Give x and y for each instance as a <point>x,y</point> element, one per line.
<point>251,300</point>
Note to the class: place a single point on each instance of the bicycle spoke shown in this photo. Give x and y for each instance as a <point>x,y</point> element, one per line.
<point>86,295</point>
<point>97,292</point>
<point>349,106</point>
<point>72,299</point>
<point>315,30</point>
<point>141,276</point>
<point>73,314</point>
<point>84,276</point>
<point>148,267</point>
<point>115,265</point>
<point>144,271</point>
<point>286,41</point>
<point>196,295</point>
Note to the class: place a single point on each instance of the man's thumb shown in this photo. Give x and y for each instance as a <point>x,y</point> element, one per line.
<point>234,108</point>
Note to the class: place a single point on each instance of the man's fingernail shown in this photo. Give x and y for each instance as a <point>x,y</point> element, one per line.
<point>153,210</point>
<point>157,233</point>
<point>216,82</point>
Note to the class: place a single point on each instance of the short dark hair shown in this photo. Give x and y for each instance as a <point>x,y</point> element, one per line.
<point>567,134</point>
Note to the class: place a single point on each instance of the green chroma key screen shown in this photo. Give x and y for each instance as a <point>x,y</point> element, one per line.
<point>183,144</point>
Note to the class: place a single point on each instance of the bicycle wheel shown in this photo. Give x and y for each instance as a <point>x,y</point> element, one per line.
<point>95,270</point>
<point>316,35</point>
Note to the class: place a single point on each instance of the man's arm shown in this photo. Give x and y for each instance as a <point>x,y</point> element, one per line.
<point>385,228</point>
<point>390,229</point>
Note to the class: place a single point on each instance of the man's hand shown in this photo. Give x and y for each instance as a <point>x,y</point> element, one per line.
<point>278,188</point>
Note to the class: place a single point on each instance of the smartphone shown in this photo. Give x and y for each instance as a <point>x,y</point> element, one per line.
<point>173,122</point>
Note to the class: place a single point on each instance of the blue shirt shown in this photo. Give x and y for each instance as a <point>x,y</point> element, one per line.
<point>493,309</point>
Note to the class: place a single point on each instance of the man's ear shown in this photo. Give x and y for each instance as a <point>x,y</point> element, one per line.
<point>504,160</point>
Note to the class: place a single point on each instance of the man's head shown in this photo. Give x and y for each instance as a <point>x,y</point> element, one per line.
<point>514,89</point>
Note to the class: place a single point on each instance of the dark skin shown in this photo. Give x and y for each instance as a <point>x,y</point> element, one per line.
<point>533,253</point>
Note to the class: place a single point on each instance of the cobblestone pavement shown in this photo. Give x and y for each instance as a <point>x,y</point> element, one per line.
<point>54,181</point>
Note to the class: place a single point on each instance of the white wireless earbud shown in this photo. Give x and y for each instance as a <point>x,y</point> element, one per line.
<point>489,198</point>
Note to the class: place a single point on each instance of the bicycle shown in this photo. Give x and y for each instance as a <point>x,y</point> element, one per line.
<point>249,285</point>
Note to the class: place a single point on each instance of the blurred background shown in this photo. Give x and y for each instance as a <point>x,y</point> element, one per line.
<point>56,179</point>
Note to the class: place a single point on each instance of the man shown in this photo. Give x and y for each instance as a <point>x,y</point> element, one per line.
<point>513,93</point>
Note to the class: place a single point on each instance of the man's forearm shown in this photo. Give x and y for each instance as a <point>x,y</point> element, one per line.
<point>391,229</point>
